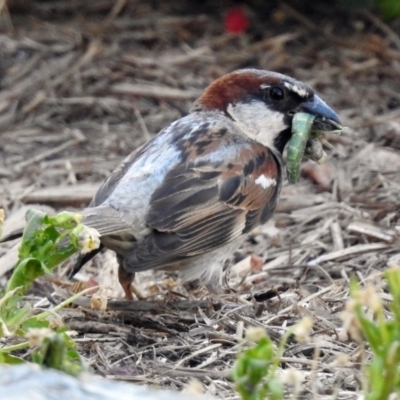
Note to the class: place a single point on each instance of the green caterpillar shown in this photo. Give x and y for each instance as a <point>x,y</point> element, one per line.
<point>301,131</point>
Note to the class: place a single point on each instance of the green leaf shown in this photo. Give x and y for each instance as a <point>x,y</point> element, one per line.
<point>15,316</point>
<point>73,355</point>
<point>60,255</point>
<point>33,322</point>
<point>57,351</point>
<point>37,358</point>
<point>25,273</point>
<point>4,331</point>
<point>6,358</point>
<point>64,219</point>
<point>34,220</point>
<point>54,352</point>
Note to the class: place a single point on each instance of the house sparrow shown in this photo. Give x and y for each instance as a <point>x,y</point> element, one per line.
<point>188,198</point>
<point>185,200</point>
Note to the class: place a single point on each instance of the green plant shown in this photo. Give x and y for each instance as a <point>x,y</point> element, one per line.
<point>255,372</point>
<point>46,242</point>
<point>366,319</point>
<point>55,350</point>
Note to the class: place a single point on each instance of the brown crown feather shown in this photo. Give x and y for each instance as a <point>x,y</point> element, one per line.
<point>232,87</point>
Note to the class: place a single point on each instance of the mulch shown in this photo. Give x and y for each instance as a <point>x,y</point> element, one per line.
<point>85,83</point>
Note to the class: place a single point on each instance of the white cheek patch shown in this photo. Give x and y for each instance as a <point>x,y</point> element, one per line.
<point>265,181</point>
<point>257,121</point>
<point>301,91</point>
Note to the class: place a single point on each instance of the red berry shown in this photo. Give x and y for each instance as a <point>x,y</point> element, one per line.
<point>236,21</point>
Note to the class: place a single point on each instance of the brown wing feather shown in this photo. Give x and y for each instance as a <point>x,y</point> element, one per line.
<point>199,208</point>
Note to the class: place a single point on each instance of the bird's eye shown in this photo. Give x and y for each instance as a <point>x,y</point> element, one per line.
<point>276,93</point>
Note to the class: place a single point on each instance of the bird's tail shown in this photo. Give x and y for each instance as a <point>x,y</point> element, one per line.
<point>81,260</point>
<point>12,236</point>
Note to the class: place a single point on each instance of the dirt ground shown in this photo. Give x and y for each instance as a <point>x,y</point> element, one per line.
<point>85,83</point>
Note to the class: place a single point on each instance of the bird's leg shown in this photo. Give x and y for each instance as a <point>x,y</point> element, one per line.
<point>125,279</point>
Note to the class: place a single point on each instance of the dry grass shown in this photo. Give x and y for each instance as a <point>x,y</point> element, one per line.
<point>84,83</point>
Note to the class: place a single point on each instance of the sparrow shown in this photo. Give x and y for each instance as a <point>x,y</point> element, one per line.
<point>188,198</point>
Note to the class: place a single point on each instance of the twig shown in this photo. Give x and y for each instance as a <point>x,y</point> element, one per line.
<point>359,248</point>
<point>80,193</point>
<point>373,231</point>
<point>159,306</point>
<point>196,353</point>
<point>337,237</point>
<point>155,91</point>
<point>48,153</point>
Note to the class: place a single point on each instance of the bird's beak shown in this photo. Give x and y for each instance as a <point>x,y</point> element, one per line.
<point>326,120</point>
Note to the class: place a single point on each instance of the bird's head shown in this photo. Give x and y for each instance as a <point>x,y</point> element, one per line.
<point>263,103</point>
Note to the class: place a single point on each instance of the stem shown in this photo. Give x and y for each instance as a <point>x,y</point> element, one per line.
<point>15,347</point>
<point>65,303</point>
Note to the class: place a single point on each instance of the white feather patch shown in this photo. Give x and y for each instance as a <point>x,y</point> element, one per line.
<point>301,91</point>
<point>256,120</point>
<point>265,181</point>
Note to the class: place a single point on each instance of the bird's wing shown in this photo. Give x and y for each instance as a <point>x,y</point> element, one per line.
<point>105,220</point>
<point>101,216</point>
<point>113,180</point>
<point>203,205</point>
